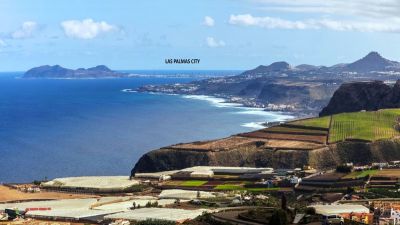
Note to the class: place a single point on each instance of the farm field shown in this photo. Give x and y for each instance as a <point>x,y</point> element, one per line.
<point>389,173</point>
<point>193,183</point>
<point>282,129</point>
<point>322,122</point>
<point>360,174</point>
<point>369,126</point>
<point>285,136</point>
<point>219,185</point>
<point>232,187</point>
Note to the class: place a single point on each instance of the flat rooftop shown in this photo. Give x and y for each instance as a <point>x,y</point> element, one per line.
<point>340,208</point>
<point>92,182</point>
<point>178,215</point>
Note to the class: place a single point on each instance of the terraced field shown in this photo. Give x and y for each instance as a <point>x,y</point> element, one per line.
<point>308,134</point>
<point>368,126</point>
<point>322,122</point>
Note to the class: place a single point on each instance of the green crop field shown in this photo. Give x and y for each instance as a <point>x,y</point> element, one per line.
<point>369,126</point>
<point>229,187</point>
<point>364,125</point>
<point>360,174</point>
<point>193,183</point>
<point>322,122</point>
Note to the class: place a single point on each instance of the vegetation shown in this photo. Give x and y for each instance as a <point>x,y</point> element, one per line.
<point>259,215</point>
<point>279,217</point>
<point>193,183</point>
<point>360,174</point>
<point>322,122</point>
<point>383,192</point>
<point>229,187</point>
<point>367,126</point>
<point>150,204</point>
<point>135,188</point>
<point>295,130</point>
<point>206,218</point>
<point>232,187</point>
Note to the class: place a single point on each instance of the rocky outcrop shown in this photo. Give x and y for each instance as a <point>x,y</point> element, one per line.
<point>360,153</point>
<point>353,97</point>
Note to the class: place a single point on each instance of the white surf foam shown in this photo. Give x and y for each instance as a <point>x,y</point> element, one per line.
<point>218,102</point>
<point>128,90</point>
<point>254,125</point>
<point>271,115</point>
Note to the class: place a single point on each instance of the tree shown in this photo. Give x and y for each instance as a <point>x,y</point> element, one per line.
<point>279,217</point>
<point>283,201</point>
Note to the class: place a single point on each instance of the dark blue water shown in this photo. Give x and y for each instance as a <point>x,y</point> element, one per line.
<point>55,128</point>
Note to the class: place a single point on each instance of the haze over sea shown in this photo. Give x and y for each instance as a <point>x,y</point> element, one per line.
<point>64,127</point>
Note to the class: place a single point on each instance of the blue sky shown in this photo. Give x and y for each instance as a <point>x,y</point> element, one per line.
<point>223,34</point>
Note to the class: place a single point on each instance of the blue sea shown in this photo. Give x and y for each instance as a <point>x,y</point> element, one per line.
<point>72,127</point>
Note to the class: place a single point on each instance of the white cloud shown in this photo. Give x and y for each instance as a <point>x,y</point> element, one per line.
<point>209,21</point>
<point>388,25</point>
<point>364,8</point>
<point>266,22</point>
<point>213,43</point>
<point>86,29</point>
<point>338,15</point>
<point>2,43</point>
<point>26,30</point>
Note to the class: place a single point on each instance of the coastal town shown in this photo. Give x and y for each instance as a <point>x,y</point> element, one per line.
<point>246,112</point>
<point>308,185</point>
<point>367,194</point>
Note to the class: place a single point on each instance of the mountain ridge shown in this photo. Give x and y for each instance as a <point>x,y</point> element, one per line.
<point>371,62</point>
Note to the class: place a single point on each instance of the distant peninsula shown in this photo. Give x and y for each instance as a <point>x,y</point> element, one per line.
<point>60,72</point>
<point>304,89</point>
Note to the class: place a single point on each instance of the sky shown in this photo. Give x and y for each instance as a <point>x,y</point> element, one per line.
<point>223,34</point>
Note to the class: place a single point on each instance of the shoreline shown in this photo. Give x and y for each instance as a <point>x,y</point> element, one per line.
<point>225,102</point>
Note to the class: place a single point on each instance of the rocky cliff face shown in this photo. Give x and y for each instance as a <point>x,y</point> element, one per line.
<point>323,158</point>
<point>353,97</point>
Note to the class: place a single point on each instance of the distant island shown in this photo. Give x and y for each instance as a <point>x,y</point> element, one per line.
<point>58,71</point>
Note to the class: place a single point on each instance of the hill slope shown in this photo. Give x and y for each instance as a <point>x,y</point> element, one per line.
<point>280,86</point>
<point>353,97</point>
<point>324,142</point>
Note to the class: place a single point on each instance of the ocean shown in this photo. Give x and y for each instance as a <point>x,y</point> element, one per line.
<point>80,127</point>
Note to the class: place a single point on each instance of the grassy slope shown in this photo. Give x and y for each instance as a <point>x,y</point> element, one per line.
<point>314,122</point>
<point>360,174</point>
<point>358,125</point>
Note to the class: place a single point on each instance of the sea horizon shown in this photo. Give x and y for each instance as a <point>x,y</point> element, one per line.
<point>57,128</point>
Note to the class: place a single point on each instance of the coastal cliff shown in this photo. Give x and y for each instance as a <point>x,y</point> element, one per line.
<point>361,153</point>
